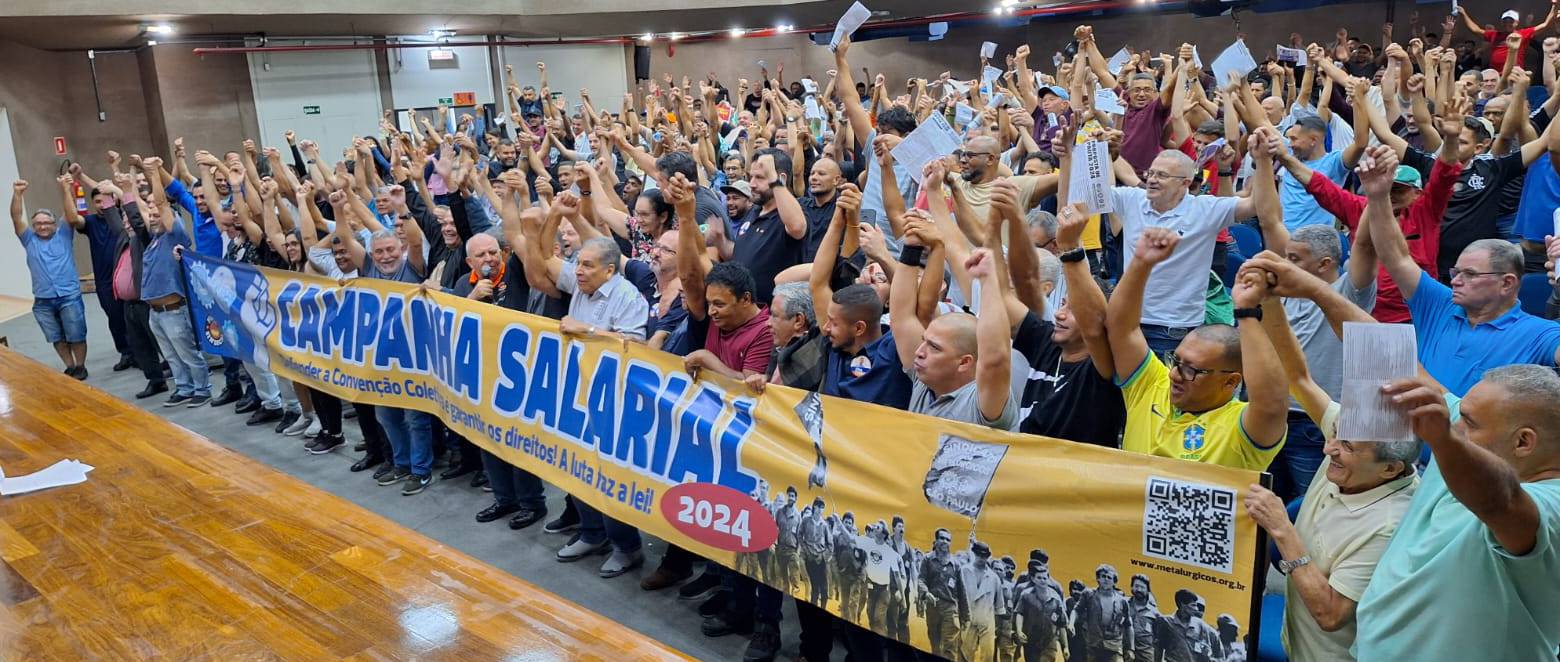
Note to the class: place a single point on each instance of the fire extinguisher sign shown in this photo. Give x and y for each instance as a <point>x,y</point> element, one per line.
<point>59,146</point>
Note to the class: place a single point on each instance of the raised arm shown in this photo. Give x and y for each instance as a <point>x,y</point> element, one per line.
<point>828,252</point>
<point>68,206</point>
<point>18,216</point>
<point>1267,391</point>
<point>1264,201</point>
<point>1376,170</point>
<point>993,339</point>
<point>1123,321</point>
<point>344,234</point>
<point>1480,480</point>
<point>859,121</point>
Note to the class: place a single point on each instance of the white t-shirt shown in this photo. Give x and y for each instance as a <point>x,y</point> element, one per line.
<point>1177,289</point>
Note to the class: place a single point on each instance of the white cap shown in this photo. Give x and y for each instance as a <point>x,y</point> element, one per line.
<point>1511,14</point>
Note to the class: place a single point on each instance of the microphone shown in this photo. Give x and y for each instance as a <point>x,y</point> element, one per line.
<point>487,271</point>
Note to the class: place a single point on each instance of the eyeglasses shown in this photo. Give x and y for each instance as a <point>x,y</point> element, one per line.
<point>1158,174</point>
<point>962,155</point>
<point>1470,274</point>
<point>1188,372</point>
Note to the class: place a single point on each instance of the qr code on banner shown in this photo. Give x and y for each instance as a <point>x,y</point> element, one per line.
<point>1189,523</point>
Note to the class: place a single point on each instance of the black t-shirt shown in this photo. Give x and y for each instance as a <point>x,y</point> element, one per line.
<point>511,292</point>
<point>1480,197</point>
<point>766,249</point>
<point>1065,400</point>
<point>818,218</point>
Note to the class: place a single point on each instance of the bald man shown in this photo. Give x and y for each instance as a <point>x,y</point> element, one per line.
<point>979,169</point>
<point>823,183</point>
<point>485,281</point>
<point>1484,522</point>
<point>961,364</point>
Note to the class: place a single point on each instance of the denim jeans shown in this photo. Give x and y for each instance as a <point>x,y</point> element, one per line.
<point>1162,340</point>
<point>595,527</point>
<point>1299,459</point>
<point>271,390</point>
<point>177,341</point>
<point>513,486</point>
<point>62,319</point>
<point>410,434</point>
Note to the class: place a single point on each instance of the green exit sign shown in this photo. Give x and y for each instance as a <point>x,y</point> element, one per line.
<point>311,110</point>
<point>446,101</point>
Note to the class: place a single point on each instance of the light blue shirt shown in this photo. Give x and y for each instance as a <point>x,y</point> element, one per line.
<point>1457,354</point>
<point>52,262</point>
<point>872,196</point>
<point>1300,208</point>
<point>1446,590</point>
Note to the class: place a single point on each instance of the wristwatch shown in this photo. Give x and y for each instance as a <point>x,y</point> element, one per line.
<point>1253,313</point>
<point>1286,567</point>
<point>1074,255</point>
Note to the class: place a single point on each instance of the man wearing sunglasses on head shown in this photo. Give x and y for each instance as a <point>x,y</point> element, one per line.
<point>1186,407</point>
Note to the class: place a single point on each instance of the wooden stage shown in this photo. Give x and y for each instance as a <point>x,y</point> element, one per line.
<point>176,548</point>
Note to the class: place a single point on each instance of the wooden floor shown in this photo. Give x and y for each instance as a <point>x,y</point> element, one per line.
<point>176,548</point>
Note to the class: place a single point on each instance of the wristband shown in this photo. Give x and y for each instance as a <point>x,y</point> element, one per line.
<point>1253,313</point>
<point>1074,255</point>
<point>914,256</point>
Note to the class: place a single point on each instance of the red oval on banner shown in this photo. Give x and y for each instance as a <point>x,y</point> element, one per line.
<point>720,517</point>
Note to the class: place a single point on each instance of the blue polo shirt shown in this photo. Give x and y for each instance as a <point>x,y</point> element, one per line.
<point>1457,354</point>
<point>1445,589</point>
<point>872,375</point>
<point>52,262</point>
<point>208,237</point>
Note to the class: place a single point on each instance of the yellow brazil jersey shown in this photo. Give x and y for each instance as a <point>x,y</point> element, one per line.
<point>1154,427</point>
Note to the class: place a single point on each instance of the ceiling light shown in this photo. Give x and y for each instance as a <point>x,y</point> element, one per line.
<point>737,32</point>
<point>647,37</point>
<point>151,42</point>
<point>674,36</point>
<point>438,33</point>
<point>783,27</point>
<point>160,28</point>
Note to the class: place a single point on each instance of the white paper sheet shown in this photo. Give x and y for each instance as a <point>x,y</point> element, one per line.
<point>810,108</point>
<point>1235,59</point>
<point>1196,57</point>
<point>989,75</point>
<point>64,472</point>
<point>1295,56</point>
<point>853,18</point>
<point>958,87</point>
<point>1106,101</point>
<point>988,50</point>
<point>933,139</point>
<point>963,115</point>
<point>809,86</point>
<point>1119,60</point>
<point>1374,354</point>
<point>1090,177</point>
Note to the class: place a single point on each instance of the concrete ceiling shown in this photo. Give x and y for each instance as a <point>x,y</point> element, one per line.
<point>80,24</point>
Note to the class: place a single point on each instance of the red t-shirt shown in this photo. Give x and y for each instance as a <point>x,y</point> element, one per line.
<point>745,348</point>
<point>1498,48</point>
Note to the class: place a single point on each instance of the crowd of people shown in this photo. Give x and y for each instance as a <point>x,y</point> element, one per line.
<point>767,232</point>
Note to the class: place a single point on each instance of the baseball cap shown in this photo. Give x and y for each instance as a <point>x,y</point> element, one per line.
<point>1511,14</point>
<point>740,187</point>
<point>1056,90</point>
<point>1408,176</point>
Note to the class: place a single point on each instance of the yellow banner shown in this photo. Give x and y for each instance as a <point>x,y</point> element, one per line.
<point>707,465</point>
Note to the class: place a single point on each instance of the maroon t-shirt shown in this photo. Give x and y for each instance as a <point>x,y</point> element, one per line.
<point>745,348</point>
<point>1144,129</point>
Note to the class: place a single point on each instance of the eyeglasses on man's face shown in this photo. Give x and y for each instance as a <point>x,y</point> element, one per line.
<point>1186,370</point>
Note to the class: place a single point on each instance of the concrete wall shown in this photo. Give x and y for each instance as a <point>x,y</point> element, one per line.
<point>48,94</point>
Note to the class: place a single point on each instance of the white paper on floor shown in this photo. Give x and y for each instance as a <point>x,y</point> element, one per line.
<point>64,472</point>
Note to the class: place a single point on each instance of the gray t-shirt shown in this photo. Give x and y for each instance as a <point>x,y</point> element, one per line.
<point>1323,348</point>
<point>963,405</point>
